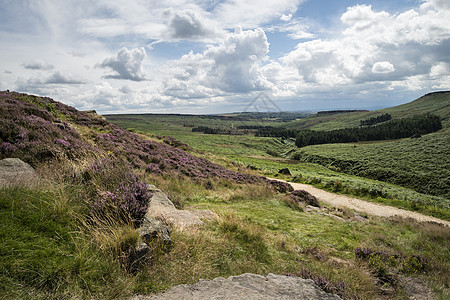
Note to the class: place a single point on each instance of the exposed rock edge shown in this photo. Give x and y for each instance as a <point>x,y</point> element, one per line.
<point>245,286</point>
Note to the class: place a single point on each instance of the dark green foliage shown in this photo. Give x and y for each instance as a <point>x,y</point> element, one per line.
<point>376,120</point>
<point>277,132</point>
<point>415,264</point>
<point>393,129</point>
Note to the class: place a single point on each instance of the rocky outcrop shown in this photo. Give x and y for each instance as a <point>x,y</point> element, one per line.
<point>246,286</point>
<point>162,208</point>
<point>14,171</point>
<point>152,230</point>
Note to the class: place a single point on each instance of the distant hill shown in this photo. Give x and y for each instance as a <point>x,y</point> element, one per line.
<point>437,103</point>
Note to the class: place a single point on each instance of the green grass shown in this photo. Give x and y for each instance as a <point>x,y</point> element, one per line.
<point>44,253</point>
<point>258,232</point>
<point>49,251</point>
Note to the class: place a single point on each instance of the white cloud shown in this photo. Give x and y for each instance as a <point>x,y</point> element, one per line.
<point>286,18</point>
<point>440,4</point>
<point>383,67</point>
<point>413,41</point>
<point>57,77</point>
<point>253,13</point>
<point>189,25</point>
<point>37,64</point>
<point>295,29</point>
<point>230,67</point>
<point>126,65</point>
<point>107,27</point>
<point>439,69</point>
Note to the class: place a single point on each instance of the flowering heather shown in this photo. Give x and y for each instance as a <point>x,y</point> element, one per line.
<point>304,196</point>
<point>33,130</point>
<point>363,253</point>
<point>115,189</point>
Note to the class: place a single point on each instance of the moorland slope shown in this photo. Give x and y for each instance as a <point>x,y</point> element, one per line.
<point>71,236</point>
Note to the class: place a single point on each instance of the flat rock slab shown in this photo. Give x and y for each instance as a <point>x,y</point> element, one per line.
<point>14,171</point>
<point>246,286</point>
<point>162,208</point>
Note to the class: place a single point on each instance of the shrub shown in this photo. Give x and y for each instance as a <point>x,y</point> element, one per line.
<point>415,264</point>
<point>116,190</point>
<point>280,186</point>
<point>304,196</point>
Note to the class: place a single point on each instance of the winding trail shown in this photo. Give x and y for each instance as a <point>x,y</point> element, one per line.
<point>370,208</point>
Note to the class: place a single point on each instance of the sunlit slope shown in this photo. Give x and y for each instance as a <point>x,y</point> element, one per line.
<point>437,103</point>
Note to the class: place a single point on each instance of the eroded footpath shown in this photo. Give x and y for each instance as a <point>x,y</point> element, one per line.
<point>359,205</point>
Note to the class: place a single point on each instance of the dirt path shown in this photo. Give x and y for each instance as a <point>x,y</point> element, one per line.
<point>364,206</point>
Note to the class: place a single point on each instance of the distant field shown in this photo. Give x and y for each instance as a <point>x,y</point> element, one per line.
<point>409,162</point>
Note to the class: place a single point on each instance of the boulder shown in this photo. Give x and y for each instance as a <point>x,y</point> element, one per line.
<point>284,171</point>
<point>152,230</point>
<point>162,208</point>
<point>304,196</point>
<point>14,171</point>
<point>138,257</point>
<point>246,286</point>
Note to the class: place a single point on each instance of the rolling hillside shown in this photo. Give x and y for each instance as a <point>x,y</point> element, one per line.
<point>74,235</point>
<point>421,164</point>
<point>437,103</point>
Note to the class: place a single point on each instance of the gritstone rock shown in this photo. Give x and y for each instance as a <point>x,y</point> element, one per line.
<point>246,286</point>
<point>14,171</point>
<point>163,209</point>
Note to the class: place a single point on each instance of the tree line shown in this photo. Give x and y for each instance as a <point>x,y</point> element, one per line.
<point>393,129</point>
<point>375,120</point>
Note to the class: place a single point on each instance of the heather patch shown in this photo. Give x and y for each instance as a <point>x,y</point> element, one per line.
<point>299,196</point>
<point>114,190</point>
<point>34,131</point>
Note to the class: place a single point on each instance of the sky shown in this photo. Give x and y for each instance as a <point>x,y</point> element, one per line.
<point>218,56</point>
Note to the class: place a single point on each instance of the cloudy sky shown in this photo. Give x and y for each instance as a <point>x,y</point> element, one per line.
<point>214,56</point>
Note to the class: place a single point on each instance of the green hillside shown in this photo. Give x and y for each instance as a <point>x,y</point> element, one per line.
<point>421,164</point>
<point>437,103</point>
<point>74,235</point>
